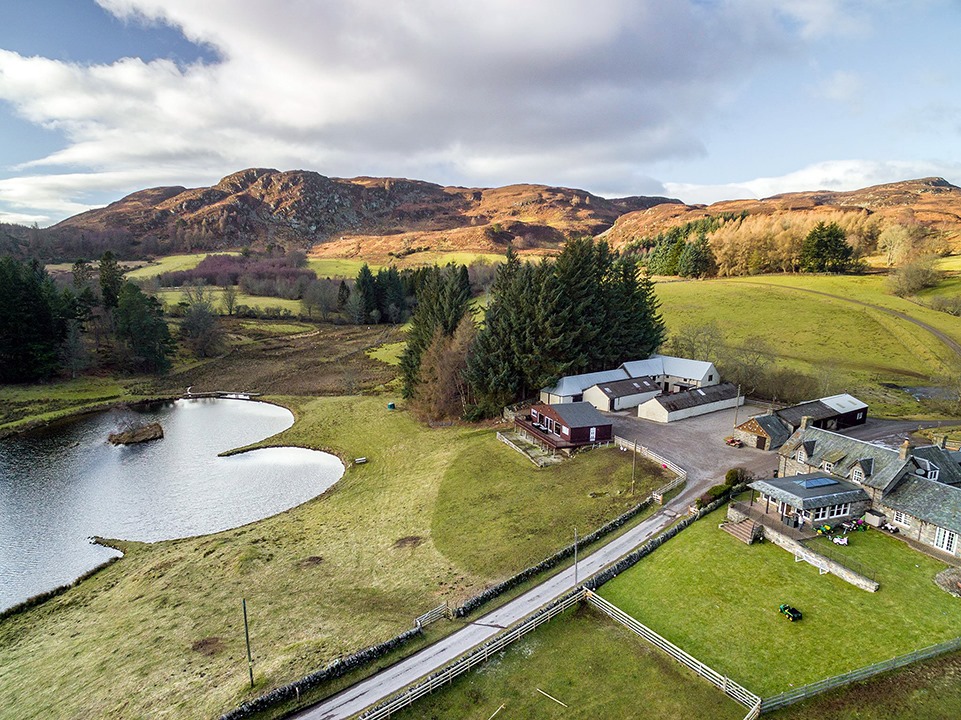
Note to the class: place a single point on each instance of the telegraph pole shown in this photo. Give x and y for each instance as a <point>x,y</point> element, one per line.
<point>575,557</point>
<point>250,660</point>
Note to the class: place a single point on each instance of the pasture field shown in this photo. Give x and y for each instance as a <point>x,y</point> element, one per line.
<point>849,347</point>
<point>718,599</point>
<point>172,297</point>
<point>159,633</point>
<point>171,263</point>
<point>596,667</point>
<point>338,267</point>
<point>58,398</point>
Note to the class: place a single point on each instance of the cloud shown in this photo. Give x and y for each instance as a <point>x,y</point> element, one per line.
<point>838,175</point>
<point>488,92</point>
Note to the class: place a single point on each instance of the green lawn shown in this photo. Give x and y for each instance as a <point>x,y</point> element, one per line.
<point>56,398</point>
<point>596,667</point>
<point>493,502</point>
<point>388,353</point>
<point>338,267</point>
<point>159,633</point>
<point>717,599</point>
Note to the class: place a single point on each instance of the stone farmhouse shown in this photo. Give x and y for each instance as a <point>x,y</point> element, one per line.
<point>632,383</point>
<point>824,477</point>
<point>770,431</point>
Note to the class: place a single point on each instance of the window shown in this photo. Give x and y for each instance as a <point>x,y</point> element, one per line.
<point>902,519</point>
<point>710,377</point>
<point>801,455</point>
<point>945,540</point>
<point>934,473</point>
<point>827,466</point>
<point>860,415</point>
<point>820,513</point>
<point>857,474</point>
<point>839,510</point>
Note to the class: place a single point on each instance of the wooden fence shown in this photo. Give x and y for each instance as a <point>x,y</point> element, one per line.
<point>730,688</point>
<point>476,657</point>
<point>680,472</point>
<point>821,686</point>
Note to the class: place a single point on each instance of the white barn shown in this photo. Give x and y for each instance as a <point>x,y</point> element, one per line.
<point>690,403</point>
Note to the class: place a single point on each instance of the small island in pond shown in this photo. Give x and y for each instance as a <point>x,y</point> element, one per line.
<point>144,433</point>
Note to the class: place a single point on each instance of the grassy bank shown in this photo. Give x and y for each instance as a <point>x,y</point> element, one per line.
<point>160,632</point>
<point>726,611</point>
<point>597,668</point>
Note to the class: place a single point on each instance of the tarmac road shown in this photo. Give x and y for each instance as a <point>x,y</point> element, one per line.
<point>696,444</point>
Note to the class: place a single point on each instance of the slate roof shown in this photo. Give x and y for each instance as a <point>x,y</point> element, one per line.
<point>696,397</point>
<point>579,414</point>
<point>792,490</point>
<point>775,429</point>
<point>815,409</point>
<point>844,452</point>
<point>928,500</point>
<point>632,386</point>
<point>950,470</point>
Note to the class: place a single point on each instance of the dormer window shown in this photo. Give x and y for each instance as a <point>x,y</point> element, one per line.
<point>801,455</point>
<point>857,475</point>
<point>827,466</point>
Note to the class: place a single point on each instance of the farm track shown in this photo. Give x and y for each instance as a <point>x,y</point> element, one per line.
<point>950,342</point>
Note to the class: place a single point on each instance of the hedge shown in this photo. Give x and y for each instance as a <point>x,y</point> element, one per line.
<point>336,669</point>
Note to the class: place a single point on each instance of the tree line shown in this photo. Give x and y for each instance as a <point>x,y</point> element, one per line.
<point>46,329</point>
<point>589,309</point>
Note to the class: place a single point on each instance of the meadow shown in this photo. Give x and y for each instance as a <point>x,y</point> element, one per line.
<point>159,633</point>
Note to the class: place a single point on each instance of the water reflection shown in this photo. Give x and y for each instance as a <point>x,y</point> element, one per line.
<point>64,484</point>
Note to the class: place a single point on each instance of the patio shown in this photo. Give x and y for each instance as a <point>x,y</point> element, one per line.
<point>767,514</point>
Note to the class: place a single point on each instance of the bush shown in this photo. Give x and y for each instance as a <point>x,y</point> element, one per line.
<point>735,475</point>
<point>916,276</point>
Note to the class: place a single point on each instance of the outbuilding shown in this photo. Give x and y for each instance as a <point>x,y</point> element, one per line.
<point>690,403</point>
<point>622,394</point>
<point>566,425</point>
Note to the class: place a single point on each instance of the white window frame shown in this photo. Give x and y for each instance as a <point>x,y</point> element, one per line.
<point>802,457</point>
<point>820,513</point>
<point>839,510</point>
<point>857,475</point>
<point>827,466</point>
<point>945,540</point>
<point>902,518</point>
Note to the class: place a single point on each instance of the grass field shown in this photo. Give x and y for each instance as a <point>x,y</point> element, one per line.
<point>851,347</point>
<point>925,691</point>
<point>388,353</point>
<point>596,667</point>
<point>171,263</point>
<point>338,267</point>
<point>159,632</point>
<point>717,598</point>
<point>172,297</point>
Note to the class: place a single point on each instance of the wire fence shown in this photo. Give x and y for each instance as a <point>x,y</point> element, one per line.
<point>808,691</point>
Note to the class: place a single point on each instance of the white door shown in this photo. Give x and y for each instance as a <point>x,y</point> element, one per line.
<point>593,434</point>
<point>945,540</point>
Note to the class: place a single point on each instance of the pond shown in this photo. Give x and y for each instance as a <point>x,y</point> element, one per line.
<point>64,484</point>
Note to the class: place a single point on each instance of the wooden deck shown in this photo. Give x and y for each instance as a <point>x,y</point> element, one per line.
<point>555,442</point>
<point>772,519</point>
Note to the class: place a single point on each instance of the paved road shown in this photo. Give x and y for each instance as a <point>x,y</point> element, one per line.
<point>695,444</point>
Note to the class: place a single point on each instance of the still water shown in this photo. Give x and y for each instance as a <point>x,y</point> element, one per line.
<point>60,486</point>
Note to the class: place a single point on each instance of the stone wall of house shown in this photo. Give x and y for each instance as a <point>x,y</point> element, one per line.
<point>923,532</point>
<point>749,439</point>
<point>735,515</point>
<point>788,467</point>
<point>835,568</point>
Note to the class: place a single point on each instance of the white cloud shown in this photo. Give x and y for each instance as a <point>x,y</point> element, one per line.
<point>838,175</point>
<point>487,92</point>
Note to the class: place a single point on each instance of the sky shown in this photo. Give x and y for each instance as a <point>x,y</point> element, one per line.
<point>702,100</point>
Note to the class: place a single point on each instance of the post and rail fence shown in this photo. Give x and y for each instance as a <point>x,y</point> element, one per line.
<point>439,612</point>
<point>680,472</point>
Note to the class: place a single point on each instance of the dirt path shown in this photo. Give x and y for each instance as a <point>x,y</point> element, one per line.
<point>944,338</point>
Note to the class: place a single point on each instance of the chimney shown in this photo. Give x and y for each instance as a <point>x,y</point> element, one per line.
<point>805,421</point>
<point>943,443</point>
<point>905,450</point>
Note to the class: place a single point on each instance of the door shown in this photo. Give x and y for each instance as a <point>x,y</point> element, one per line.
<point>760,442</point>
<point>593,436</point>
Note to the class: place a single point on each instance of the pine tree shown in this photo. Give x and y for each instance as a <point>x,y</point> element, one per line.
<point>366,287</point>
<point>142,331</point>
<point>825,249</point>
<point>111,280</point>
<point>697,260</point>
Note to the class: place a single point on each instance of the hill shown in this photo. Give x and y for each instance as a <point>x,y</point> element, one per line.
<point>931,203</point>
<point>303,209</point>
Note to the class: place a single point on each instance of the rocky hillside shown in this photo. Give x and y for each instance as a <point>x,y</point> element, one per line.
<point>303,209</point>
<point>932,203</point>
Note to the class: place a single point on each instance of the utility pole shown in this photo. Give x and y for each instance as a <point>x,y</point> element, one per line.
<point>250,660</point>
<point>737,404</point>
<point>575,557</point>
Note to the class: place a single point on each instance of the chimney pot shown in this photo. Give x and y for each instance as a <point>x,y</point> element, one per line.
<point>905,450</point>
